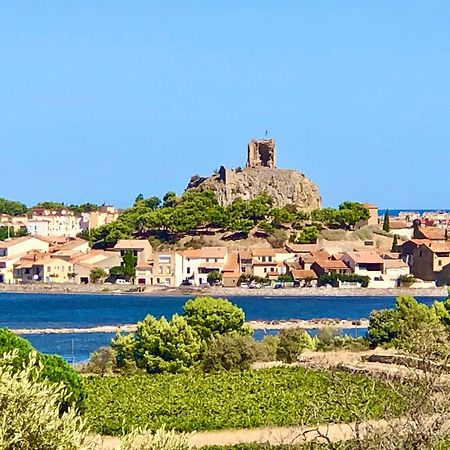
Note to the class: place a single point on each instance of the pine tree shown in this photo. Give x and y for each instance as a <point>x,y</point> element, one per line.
<point>386,225</point>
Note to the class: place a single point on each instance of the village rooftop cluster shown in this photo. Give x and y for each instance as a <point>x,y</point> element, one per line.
<point>52,253</point>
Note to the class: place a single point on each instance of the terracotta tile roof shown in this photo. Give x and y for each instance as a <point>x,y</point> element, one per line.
<point>331,264</point>
<point>14,241</point>
<point>245,254</point>
<point>135,244</point>
<point>72,244</point>
<point>300,274</point>
<point>432,233</point>
<point>206,252</point>
<point>303,248</point>
<point>398,224</point>
<point>256,252</point>
<point>52,239</point>
<point>231,274</point>
<point>365,257</point>
<point>232,264</point>
<point>144,266</point>
<point>395,264</point>
<point>439,247</point>
<point>369,205</point>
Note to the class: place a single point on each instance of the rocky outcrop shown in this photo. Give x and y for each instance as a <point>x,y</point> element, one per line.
<point>284,186</point>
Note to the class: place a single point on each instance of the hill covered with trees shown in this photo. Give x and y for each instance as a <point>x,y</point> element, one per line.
<point>171,218</point>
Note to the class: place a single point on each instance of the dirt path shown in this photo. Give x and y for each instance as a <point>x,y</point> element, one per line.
<point>272,435</point>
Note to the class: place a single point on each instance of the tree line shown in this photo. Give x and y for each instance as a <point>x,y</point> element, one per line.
<point>174,216</point>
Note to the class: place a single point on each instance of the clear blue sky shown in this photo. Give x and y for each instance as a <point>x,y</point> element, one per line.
<point>102,100</point>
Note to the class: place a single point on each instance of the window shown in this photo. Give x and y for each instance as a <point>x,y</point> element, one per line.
<point>188,270</point>
<point>440,262</point>
<point>420,254</point>
<point>263,259</point>
<point>265,269</point>
<point>160,270</point>
<point>49,269</point>
<point>168,270</point>
<point>158,281</point>
<point>167,280</point>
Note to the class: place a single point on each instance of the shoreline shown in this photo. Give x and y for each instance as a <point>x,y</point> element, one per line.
<point>310,324</point>
<point>438,292</point>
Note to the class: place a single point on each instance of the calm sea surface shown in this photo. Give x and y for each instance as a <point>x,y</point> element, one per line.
<point>70,311</point>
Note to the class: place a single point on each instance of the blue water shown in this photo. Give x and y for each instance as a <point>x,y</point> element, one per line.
<point>396,212</point>
<point>72,310</point>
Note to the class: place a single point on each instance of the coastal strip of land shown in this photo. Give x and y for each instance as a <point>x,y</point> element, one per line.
<point>254,325</point>
<point>189,291</point>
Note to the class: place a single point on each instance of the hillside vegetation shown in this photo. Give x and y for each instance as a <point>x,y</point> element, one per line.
<point>174,217</point>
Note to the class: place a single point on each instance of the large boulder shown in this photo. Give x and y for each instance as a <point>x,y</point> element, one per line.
<point>284,186</point>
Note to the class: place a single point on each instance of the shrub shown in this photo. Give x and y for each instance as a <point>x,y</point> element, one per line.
<point>326,337</point>
<point>213,316</point>
<point>124,346</point>
<point>292,341</point>
<point>54,368</point>
<point>30,410</point>
<point>266,350</point>
<point>57,370</point>
<point>141,439</point>
<point>229,351</point>
<point>214,277</point>
<point>102,361</point>
<point>163,346</point>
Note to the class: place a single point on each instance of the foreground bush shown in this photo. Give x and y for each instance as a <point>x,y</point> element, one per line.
<point>30,410</point>
<point>160,440</point>
<point>54,368</point>
<point>248,399</point>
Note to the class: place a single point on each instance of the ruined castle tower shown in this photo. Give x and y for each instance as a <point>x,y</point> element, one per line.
<point>261,153</point>
<point>261,176</point>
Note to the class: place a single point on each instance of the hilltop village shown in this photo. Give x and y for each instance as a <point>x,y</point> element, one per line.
<point>254,227</point>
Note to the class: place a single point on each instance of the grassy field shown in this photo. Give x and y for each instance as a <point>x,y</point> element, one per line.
<point>198,401</point>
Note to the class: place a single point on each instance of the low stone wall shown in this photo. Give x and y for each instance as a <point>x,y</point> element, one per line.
<point>68,288</point>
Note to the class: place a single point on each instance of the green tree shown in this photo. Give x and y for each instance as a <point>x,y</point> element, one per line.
<point>12,208</point>
<point>291,343</point>
<point>102,361</point>
<point>125,346</point>
<point>163,346</point>
<point>211,317</point>
<point>229,351</point>
<point>308,235</point>
<point>169,199</point>
<point>97,275</point>
<point>386,224</point>
<point>10,232</point>
<point>128,267</point>
<point>383,327</point>
<point>214,277</point>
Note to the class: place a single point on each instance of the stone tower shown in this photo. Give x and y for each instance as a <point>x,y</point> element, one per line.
<point>261,153</point>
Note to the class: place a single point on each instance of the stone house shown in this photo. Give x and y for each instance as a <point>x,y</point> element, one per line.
<point>167,269</point>
<point>140,248</point>
<point>429,260</point>
<point>199,263</point>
